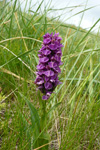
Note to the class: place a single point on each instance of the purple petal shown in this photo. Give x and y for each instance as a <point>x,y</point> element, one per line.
<point>59,52</point>
<point>47,35</point>
<point>57,69</point>
<point>40,72</point>
<point>46,52</point>
<point>61,63</point>
<point>45,97</point>
<point>48,67</point>
<point>52,64</point>
<point>56,35</point>
<point>60,46</point>
<point>41,88</point>
<point>40,56</point>
<point>51,34</point>
<point>47,41</point>
<point>39,81</point>
<point>53,78</point>
<point>53,46</point>
<point>44,59</point>
<point>46,78</point>
<point>40,51</point>
<point>49,73</point>
<point>59,39</point>
<point>48,85</point>
<point>57,82</point>
<point>40,66</point>
<point>43,47</point>
<point>48,93</point>
<point>53,58</point>
<point>57,58</point>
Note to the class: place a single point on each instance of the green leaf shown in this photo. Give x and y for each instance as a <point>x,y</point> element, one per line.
<point>54,107</point>
<point>35,120</point>
<point>12,17</point>
<point>34,115</point>
<point>45,136</point>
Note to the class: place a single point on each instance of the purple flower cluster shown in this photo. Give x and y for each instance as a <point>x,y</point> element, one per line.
<point>49,62</point>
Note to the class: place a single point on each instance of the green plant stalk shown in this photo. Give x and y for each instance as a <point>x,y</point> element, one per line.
<point>44,138</point>
<point>91,79</point>
<point>43,115</point>
<point>43,125</point>
<point>42,112</point>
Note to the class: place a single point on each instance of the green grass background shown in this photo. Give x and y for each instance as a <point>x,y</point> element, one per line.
<point>75,123</point>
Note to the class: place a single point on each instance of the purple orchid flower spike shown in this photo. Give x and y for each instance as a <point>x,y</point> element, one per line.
<point>49,62</point>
